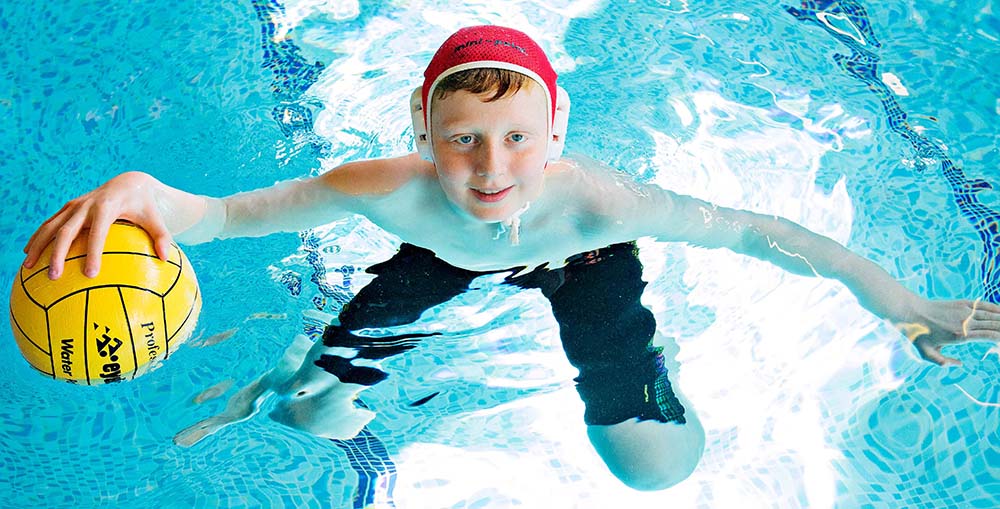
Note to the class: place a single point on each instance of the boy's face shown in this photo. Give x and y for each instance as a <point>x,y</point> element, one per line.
<point>490,156</point>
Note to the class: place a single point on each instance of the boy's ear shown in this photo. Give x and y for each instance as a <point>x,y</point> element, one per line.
<point>559,123</point>
<point>420,137</point>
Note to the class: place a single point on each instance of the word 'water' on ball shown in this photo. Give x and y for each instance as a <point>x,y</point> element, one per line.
<point>110,328</point>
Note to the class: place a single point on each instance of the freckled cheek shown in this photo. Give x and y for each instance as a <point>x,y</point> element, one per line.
<point>529,166</point>
<point>452,177</point>
<point>449,165</point>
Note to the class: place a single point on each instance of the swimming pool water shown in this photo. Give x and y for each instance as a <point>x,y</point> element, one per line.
<point>873,123</point>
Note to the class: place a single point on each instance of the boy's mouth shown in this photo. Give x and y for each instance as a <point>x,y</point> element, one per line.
<point>491,195</point>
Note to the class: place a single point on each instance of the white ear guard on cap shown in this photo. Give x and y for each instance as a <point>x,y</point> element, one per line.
<point>559,123</point>
<point>421,137</point>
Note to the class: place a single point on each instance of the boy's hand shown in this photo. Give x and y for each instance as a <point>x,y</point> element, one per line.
<point>943,323</point>
<point>129,196</point>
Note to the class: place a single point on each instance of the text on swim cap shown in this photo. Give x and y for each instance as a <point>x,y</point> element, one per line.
<point>496,42</point>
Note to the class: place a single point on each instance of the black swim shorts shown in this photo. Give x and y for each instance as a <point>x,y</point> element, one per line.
<point>605,331</point>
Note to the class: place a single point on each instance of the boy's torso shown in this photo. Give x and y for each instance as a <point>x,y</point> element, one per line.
<point>561,223</point>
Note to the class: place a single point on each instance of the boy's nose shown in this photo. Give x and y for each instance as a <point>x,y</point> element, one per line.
<point>492,161</point>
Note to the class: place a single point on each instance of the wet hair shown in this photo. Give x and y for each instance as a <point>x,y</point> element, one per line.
<point>502,82</point>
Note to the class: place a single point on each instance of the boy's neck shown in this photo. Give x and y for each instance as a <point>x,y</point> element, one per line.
<point>512,226</point>
<point>508,230</point>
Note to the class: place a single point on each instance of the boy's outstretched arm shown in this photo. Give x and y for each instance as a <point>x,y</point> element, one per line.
<point>650,210</point>
<point>629,210</point>
<point>930,325</point>
<point>166,212</point>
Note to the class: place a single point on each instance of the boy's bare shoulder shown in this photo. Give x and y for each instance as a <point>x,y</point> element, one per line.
<point>378,177</point>
<point>593,185</point>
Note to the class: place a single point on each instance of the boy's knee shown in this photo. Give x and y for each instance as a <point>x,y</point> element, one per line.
<point>660,476</point>
<point>650,455</point>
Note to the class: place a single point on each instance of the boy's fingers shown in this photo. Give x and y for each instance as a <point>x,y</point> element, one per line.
<point>991,334</point>
<point>948,361</point>
<point>28,243</point>
<point>981,323</point>
<point>983,305</point>
<point>43,236</point>
<point>33,250</point>
<point>986,315</point>
<point>38,241</point>
<point>95,245</point>
<point>934,355</point>
<point>64,237</point>
<point>57,260</point>
<point>161,237</point>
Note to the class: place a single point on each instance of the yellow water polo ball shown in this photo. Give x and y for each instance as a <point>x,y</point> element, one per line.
<point>110,328</point>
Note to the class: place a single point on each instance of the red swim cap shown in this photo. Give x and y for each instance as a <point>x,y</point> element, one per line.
<point>489,46</point>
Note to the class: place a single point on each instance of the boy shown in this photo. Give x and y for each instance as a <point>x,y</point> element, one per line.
<point>488,192</point>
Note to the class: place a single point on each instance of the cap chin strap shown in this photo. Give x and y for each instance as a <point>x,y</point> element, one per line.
<point>556,144</point>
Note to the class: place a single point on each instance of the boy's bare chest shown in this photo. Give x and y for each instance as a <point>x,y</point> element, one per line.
<point>542,238</point>
<point>550,231</point>
<point>494,247</point>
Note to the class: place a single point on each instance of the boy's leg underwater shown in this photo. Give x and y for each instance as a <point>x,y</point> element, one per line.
<point>651,455</point>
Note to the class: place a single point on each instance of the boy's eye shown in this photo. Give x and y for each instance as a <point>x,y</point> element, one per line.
<point>517,137</point>
<point>465,139</point>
